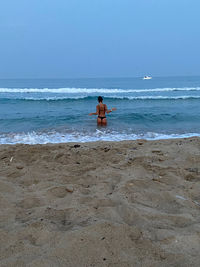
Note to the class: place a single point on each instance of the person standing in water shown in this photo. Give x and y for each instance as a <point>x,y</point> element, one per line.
<point>101,110</point>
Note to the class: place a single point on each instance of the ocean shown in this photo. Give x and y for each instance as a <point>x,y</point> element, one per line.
<point>44,111</point>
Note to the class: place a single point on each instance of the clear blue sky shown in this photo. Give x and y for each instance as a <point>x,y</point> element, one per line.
<point>99,38</point>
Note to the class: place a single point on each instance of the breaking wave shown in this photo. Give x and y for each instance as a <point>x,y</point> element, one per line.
<point>65,98</point>
<point>92,90</point>
<point>56,137</point>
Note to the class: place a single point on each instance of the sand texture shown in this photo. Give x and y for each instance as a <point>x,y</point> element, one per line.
<point>120,204</point>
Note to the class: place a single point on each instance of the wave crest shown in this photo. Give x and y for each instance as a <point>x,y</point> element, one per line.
<point>92,90</point>
<point>115,97</point>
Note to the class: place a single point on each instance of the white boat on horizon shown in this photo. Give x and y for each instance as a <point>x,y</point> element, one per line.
<point>147,78</point>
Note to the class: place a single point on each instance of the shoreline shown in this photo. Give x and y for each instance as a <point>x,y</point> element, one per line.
<point>39,138</point>
<point>105,141</point>
<point>103,203</point>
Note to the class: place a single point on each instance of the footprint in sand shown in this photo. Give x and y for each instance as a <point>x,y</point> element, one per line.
<point>59,219</point>
<point>14,174</point>
<point>192,175</point>
<point>29,203</point>
<point>59,191</point>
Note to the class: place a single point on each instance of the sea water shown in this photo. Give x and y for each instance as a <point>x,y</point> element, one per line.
<point>56,110</point>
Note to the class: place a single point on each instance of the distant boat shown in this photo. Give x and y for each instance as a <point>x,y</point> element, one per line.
<point>147,78</point>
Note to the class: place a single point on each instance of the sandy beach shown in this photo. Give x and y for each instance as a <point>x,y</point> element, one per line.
<point>131,203</point>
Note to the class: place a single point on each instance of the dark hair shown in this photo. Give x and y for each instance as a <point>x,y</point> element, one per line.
<point>100,99</point>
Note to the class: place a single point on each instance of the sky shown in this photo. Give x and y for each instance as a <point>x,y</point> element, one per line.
<point>99,38</point>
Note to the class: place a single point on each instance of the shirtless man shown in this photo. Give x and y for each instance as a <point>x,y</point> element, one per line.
<point>101,111</point>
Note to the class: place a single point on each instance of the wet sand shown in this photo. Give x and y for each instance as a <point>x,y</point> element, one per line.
<point>133,203</point>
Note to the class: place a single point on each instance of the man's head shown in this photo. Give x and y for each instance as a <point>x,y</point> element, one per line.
<point>100,99</point>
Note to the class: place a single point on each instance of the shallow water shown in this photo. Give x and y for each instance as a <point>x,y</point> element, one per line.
<point>53,111</point>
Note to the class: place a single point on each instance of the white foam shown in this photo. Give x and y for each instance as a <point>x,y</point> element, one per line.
<point>163,97</point>
<point>92,90</point>
<point>55,98</point>
<point>99,135</point>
